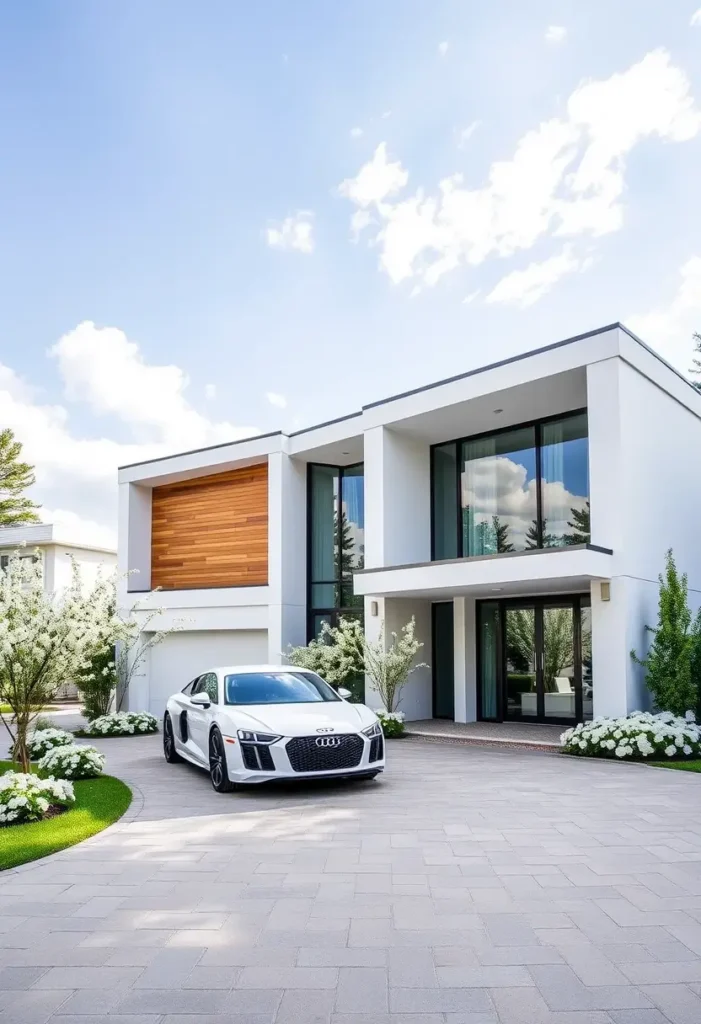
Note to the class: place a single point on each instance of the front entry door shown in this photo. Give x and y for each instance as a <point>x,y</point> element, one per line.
<point>443,660</point>
<point>535,657</point>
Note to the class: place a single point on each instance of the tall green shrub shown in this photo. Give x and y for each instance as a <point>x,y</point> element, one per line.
<point>97,682</point>
<point>673,662</point>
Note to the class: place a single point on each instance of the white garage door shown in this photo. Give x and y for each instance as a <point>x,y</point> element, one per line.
<point>182,656</point>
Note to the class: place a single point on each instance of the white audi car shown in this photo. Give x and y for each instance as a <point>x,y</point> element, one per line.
<point>258,723</point>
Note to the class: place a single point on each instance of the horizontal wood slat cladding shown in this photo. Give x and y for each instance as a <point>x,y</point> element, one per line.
<point>211,531</point>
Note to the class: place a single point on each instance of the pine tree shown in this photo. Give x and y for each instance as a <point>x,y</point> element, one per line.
<point>673,659</point>
<point>15,477</point>
<point>580,525</point>
<point>501,534</point>
<point>696,363</point>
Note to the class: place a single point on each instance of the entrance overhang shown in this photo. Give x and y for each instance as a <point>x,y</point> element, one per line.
<point>567,570</point>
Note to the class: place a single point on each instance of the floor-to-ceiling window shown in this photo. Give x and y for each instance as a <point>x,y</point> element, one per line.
<point>336,518</point>
<point>512,490</point>
<point>534,659</point>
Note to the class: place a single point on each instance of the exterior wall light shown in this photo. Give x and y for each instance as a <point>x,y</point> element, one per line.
<point>605,590</point>
<point>373,609</point>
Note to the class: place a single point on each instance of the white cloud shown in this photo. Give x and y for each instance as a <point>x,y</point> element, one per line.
<point>463,135</point>
<point>355,133</point>
<point>375,181</point>
<point>101,367</point>
<point>360,220</point>
<point>275,399</point>
<point>696,18</point>
<point>77,474</point>
<point>471,297</point>
<point>524,287</point>
<point>565,177</point>
<point>555,33</point>
<point>443,47</point>
<point>296,232</point>
<point>669,329</point>
<point>386,114</point>
<point>75,527</point>
<point>210,392</point>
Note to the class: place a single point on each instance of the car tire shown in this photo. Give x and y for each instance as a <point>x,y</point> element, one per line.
<point>169,752</point>
<point>218,773</point>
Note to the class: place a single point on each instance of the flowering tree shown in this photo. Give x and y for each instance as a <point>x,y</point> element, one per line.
<point>389,667</point>
<point>46,639</point>
<point>136,638</point>
<point>340,653</point>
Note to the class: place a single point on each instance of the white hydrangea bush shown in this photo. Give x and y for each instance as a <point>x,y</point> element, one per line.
<point>26,797</point>
<point>123,723</point>
<point>392,722</point>
<point>75,762</point>
<point>44,740</point>
<point>639,736</point>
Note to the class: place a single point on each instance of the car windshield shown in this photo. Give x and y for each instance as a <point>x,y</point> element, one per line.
<point>277,688</point>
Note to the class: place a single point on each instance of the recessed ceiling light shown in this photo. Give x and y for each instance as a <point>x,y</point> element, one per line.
<point>497,590</point>
<point>497,411</point>
<point>345,453</point>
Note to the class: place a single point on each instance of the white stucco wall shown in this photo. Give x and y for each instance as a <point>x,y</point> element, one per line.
<point>397,498</point>
<point>416,695</point>
<point>91,564</point>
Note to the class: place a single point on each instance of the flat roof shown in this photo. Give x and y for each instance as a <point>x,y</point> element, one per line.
<point>428,387</point>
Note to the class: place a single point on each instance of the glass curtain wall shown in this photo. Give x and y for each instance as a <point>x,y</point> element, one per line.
<point>516,489</point>
<point>336,518</point>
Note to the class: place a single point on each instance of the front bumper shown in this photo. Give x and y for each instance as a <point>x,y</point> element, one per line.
<point>299,757</point>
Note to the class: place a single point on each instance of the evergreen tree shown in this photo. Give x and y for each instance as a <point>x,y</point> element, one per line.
<point>15,478</point>
<point>696,366</point>
<point>549,541</point>
<point>501,535</point>
<point>673,662</point>
<point>580,524</point>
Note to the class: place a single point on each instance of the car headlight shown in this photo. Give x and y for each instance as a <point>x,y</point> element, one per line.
<point>257,737</point>
<point>373,730</point>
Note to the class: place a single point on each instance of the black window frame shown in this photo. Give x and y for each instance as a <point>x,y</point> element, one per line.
<point>537,425</point>
<point>339,610</point>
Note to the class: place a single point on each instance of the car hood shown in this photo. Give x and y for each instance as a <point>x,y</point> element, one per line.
<point>302,719</point>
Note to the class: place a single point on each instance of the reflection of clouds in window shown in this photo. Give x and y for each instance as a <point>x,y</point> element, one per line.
<point>502,487</point>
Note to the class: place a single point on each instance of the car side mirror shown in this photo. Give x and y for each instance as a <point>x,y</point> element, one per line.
<point>200,700</point>
<point>344,693</point>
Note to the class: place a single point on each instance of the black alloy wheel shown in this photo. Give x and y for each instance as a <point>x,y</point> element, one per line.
<point>217,764</point>
<point>169,752</point>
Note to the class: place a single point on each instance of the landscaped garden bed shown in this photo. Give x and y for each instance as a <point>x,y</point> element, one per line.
<point>121,723</point>
<point>96,803</point>
<point>641,736</point>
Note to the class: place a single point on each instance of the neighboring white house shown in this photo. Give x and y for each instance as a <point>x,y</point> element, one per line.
<point>520,512</point>
<point>57,548</point>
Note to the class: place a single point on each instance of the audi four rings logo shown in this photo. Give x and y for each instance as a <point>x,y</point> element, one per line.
<point>328,741</point>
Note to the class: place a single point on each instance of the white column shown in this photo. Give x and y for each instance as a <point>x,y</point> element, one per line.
<point>287,554</point>
<point>134,537</point>
<point>465,665</point>
<point>611,662</point>
<point>373,625</point>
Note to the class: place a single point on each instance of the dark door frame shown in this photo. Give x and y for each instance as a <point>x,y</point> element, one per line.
<point>538,602</point>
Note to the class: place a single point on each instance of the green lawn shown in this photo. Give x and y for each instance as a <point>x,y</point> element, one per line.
<point>682,766</point>
<point>98,803</point>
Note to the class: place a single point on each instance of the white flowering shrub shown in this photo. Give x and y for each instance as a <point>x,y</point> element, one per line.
<point>639,736</point>
<point>26,797</point>
<point>74,762</point>
<point>44,740</point>
<point>122,723</point>
<point>392,722</point>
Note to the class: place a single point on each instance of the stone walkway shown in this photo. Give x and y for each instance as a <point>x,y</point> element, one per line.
<point>525,734</point>
<point>466,886</point>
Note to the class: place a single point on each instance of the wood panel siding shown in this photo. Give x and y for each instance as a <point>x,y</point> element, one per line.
<point>211,531</point>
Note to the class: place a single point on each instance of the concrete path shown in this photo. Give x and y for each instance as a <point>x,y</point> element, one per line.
<point>467,886</point>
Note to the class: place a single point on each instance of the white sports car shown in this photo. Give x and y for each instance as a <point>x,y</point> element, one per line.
<point>259,723</point>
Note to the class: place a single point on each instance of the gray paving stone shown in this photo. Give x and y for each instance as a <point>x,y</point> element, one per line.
<point>484,977</point>
<point>288,977</point>
<point>438,1000</point>
<point>677,1002</point>
<point>411,968</point>
<point>166,1000</point>
<point>312,1006</point>
<point>87,977</point>
<point>168,969</point>
<point>19,978</point>
<point>362,990</point>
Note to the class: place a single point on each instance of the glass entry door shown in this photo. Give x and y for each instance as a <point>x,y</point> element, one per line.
<point>535,659</point>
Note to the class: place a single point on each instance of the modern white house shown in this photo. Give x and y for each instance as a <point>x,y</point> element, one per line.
<point>520,513</point>
<point>58,548</point>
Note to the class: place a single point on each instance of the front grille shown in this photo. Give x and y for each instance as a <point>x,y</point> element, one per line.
<point>376,748</point>
<point>307,756</point>
<point>257,758</point>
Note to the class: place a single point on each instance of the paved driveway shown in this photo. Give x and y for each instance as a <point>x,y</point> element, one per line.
<point>467,886</point>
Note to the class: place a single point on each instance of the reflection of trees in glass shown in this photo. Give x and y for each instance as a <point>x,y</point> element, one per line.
<point>485,538</point>
<point>532,540</point>
<point>351,560</point>
<point>558,642</point>
<point>580,524</point>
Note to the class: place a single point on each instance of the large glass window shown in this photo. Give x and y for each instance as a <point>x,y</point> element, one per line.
<point>498,492</point>
<point>521,488</point>
<point>565,482</point>
<point>336,542</point>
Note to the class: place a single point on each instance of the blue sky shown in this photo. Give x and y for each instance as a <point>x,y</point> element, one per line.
<point>180,180</point>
